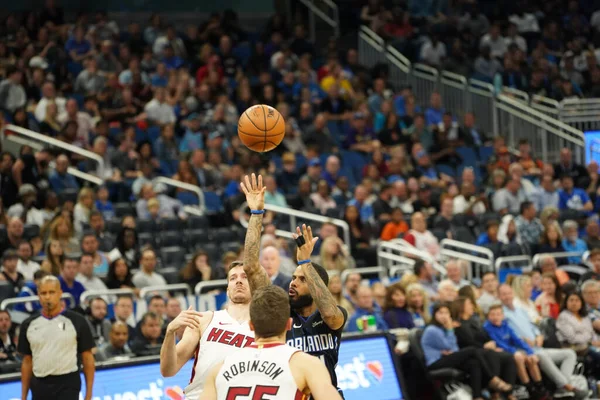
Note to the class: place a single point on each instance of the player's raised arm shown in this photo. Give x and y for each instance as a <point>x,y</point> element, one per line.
<point>255,197</point>
<point>210,387</point>
<point>174,355</point>
<point>331,313</point>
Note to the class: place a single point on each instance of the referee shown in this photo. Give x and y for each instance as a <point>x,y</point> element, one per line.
<point>50,343</point>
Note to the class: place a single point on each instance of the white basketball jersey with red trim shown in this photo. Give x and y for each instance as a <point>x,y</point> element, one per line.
<point>258,372</point>
<point>223,336</point>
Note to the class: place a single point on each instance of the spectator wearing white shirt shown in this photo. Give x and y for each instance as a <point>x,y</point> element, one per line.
<point>169,38</point>
<point>146,276</point>
<point>86,274</point>
<point>26,209</point>
<point>48,95</point>
<point>433,52</point>
<point>467,202</point>
<point>494,41</point>
<point>12,93</point>
<point>25,265</point>
<point>525,22</point>
<point>512,36</point>
<point>158,110</point>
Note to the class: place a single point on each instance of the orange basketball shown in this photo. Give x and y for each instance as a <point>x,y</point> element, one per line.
<point>261,128</point>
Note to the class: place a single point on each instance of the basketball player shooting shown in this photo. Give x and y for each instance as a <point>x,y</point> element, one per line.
<point>210,336</point>
<point>317,320</point>
<point>268,367</point>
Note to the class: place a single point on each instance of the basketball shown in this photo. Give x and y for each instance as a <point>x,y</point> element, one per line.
<point>261,128</point>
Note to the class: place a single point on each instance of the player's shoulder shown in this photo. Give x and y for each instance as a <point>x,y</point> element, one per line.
<point>304,361</point>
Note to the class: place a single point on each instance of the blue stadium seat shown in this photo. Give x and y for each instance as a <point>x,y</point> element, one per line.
<point>485,153</point>
<point>153,133</point>
<point>446,169</point>
<point>213,202</point>
<point>168,167</point>
<point>140,135</point>
<point>188,198</point>
<point>469,157</point>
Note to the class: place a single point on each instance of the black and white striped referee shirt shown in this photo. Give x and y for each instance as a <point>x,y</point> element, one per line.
<point>55,343</point>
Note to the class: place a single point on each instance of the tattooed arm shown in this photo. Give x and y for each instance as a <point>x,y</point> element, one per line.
<point>331,313</point>
<point>255,197</point>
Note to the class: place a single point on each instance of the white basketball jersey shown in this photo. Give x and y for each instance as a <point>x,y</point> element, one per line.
<point>223,336</point>
<point>258,372</point>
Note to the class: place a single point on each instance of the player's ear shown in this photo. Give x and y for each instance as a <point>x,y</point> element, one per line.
<point>288,326</point>
<point>251,326</point>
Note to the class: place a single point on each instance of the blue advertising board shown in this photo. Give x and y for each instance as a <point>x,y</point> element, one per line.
<point>365,370</point>
<point>592,146</point>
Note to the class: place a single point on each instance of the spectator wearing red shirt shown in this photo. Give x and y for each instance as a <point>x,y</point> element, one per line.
<point>213,64</point>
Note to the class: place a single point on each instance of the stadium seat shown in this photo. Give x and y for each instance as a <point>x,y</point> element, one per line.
<point>212,202</point>
<point>548,330</point>
<point>334,212</point>
<point>172,257</point>
<point>171,225</point>
<point>169,239</point>
<point>113,226</point>
<point>188,198</point>
<point>485,153</point>
<point>146,226</point>
<point>463,234</point>
<point>446,169</point>
<point>196,237</point>
<point>31,231</point>
<point>171,275</point>
<point>6,291</point>
<point>222,235</point>
<point>124,209</point>
<point>230,246</point>
<point>197,222</point>
<point>146,239</point>
<point>468,155</point>
<point>214,253</point>
<point>153,133</point>
<point>68,195</point>
<point>442,375</point>
<point>439,233</point>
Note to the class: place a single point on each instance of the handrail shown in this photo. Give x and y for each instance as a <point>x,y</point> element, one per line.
<point>395,258</point>
<point>453,79</point>
<point>314,10</point>
<point>293,214</point>
<point>425,69</point>
<point>30,299</point>
<point>382,271</point>
<point>210,284</point>
<point>393,271</point>
<point>487,259</point>
<point>373,36</point>
<point>477,85</point>
<point>57,143</point>
<point>109,292</point>
<point>560,254</point>
<point>576,269</point>
<point>70,170</point>
<point>399,59</point>
<point>165,288</point>
<point>516,93</point>
<point>403,246</point>
<point>184,186</point>
<point>541,120</point>
<point>507,259</point>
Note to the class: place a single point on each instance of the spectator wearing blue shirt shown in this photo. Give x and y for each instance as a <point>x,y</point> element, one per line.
<point>193,138</point>
<point>506,339</point>
<point>60,180</point>
<point>572,198</point>
<point>316,93</point>
<point>435,112</point>
<point>78,47</point>
<point>170,60</point>
<point>376,99</point>
<point>332,170</point>
<point>571,241</point>
<point>441,351</point>
<point>103,204</point>
<point>366,306</point>
<point>360,202</point>
<point>68,271</point>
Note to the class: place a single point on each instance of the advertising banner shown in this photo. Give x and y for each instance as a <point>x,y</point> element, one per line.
<point>365,370</point>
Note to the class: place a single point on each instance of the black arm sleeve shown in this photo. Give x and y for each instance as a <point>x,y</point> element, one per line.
<point>24,347</point>
<point>85,340</point>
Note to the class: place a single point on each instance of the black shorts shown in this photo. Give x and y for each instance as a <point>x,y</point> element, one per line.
<point>53,387</point>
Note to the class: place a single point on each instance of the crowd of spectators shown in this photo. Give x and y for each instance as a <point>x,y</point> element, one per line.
<point>156,100</point>
<point>546,48</point>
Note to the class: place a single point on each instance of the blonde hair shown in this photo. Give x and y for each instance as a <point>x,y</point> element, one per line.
<point>546,213</point>
<point>409,296</point>
<point>54,227</point>
<point>83,193</point>
<point>340,262</point>
<point>408,279</point>
<point>517,286</point>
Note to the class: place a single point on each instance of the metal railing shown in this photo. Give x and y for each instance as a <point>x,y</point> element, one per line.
<point>109,295</point>
<point>294,216</point>
<point>176,287</point>
<point>33,299</point>
<point>216,284</point>
<point>322,9</point>
<point>49,141</point>
<point>185,186</point>
<point>402,248</point>
<point>524,259</point>
<point>380,271</point>
<point>482,258</point>
<point>507,113</point>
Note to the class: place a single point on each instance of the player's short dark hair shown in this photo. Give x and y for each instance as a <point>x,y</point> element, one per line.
<point>322,272</point>
<point>236,263</point>
<point>269,311</point>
